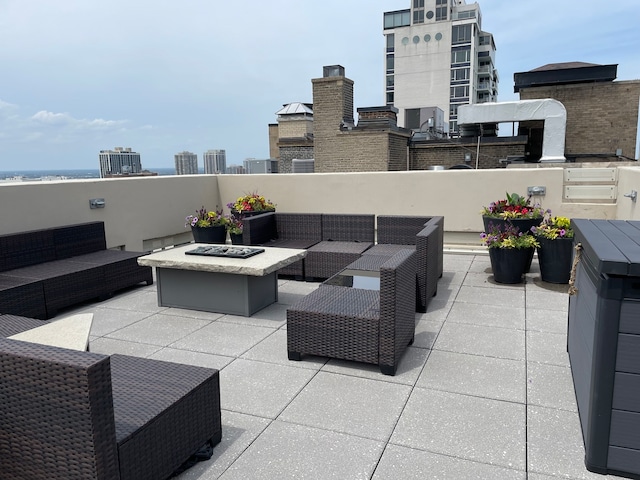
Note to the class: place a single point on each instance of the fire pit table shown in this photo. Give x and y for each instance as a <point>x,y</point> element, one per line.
<point>197,277</point>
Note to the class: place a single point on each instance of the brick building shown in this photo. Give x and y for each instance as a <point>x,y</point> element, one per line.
<point>602,118</point>
<point>602,114</point>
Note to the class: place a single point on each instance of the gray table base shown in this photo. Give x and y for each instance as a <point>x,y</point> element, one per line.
<point>216,292</point>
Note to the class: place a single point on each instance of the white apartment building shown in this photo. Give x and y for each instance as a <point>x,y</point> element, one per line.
<point>215,161</point>
<point>119,161</point>
<point>437,57</point>
<point>186,163</point>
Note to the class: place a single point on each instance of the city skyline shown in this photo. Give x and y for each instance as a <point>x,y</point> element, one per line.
<point>82,77</point>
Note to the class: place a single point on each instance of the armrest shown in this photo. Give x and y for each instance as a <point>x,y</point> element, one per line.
<point>397,305</point>
<point>259,229</point>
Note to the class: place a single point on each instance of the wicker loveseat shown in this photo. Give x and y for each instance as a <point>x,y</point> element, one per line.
<point>42,271</point>
<point>425,235</point>
<point>67,414</point>
<point>358,324</point>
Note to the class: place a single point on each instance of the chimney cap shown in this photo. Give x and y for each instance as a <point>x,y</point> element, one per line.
<point>333,71</point>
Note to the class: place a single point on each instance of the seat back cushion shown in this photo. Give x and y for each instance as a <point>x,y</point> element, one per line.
<point>79,239</point>
<point>399,230</point>
<point>348,228</point>
<point>299,226</point>
<point>19,250</point>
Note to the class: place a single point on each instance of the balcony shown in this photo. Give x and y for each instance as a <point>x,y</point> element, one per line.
<point>485,391</point>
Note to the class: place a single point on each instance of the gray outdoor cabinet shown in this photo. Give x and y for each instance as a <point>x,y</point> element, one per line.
<point>603,341</point>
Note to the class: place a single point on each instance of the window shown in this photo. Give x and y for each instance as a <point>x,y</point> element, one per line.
<point>453,109</point>
<point>441,9</point>
<point>390,42</point>
<point>460,91</point>
<point>459,74</point>
<point>400,18</point>
<point>390,82</point>
<point>461,55</point>
<point>461,34</point>
<point>418,3</point>
<point>418,16</point>
<point>390,63</point>
<point>389,98</point>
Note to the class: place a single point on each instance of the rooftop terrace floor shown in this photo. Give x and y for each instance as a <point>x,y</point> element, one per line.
<point>485,391</point>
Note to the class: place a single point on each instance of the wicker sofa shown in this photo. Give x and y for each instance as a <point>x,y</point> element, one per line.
<point>68,414</point>
<point>425,235</point>
<point>42,271</point>
<point>358,324</point>
<point>284,230</point>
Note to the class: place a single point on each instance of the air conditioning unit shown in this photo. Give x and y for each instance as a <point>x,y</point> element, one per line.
<point>302,165</point>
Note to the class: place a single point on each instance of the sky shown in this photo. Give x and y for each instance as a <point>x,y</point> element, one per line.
<point>165,76</point>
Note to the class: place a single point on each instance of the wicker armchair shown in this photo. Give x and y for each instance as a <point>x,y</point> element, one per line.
<point>356,324</point>
<point>284,230</point>
<point>344,239</point>
<point>425,234</point>
<point>67,414</point>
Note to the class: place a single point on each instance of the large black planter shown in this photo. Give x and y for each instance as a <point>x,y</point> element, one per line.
<point>523,225</point>
<point>555,258</point>
<point>215,234</point>
<point>236,238</point>
<point>509,264</point>
<point>241,215</point>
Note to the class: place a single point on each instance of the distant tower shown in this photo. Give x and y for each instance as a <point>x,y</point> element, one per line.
<point>186,163</point>
<point>437,56</point>
<point>118,161</point>
<point>215,161</point>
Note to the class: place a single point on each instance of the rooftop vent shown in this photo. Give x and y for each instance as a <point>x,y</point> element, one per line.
<point>333,71</point>
<point>302,165</point>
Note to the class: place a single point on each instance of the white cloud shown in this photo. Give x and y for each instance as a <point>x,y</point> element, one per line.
<point>51,118</point>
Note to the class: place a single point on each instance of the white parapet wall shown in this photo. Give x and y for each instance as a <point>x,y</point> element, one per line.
<point>148,213</point>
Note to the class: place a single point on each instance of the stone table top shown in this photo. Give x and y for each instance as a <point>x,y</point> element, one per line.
<point>70,332</point>
<point>259,265</point>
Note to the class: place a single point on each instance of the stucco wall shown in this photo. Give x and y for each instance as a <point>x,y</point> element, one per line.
<point>142,213</point>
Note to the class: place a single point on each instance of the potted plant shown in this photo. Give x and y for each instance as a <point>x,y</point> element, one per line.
<point>234,227</point>
<point>510,250</point>
<point>555,250</point>
<point>207,226</point>
<point>515,210</point>
<point>250,204</point>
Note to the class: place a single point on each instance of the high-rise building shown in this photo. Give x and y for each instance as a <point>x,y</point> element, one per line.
<point>119,161</point>
<point>437,57</point>
<point>215,161</point>
<point>186,163</point>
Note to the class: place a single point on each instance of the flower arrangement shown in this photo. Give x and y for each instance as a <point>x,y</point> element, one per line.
<point>234,225</point>
<point>554,227</point>
<point>508,237</point>
<point>252,202</point>
<point>204,218</point>
<point>515,206</point>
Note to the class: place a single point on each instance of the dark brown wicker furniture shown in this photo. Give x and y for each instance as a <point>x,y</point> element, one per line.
<point>42,271</point>
<point>14,324</point>
<point>284,230</point>
<point>358,324</point>
<point>344,238</point>
<point>425,234</point>
<point>66,414</point>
